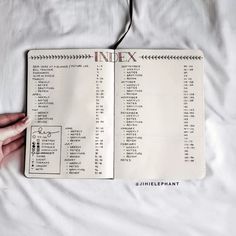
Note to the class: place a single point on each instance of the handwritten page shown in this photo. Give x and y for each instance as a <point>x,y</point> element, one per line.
<point>159,118</point>
<point>71,102</point>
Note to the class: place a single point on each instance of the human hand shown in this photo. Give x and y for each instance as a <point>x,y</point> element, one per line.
<point>12,128</point>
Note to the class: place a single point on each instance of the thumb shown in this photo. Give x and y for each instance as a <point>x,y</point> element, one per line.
<point>14,129</point>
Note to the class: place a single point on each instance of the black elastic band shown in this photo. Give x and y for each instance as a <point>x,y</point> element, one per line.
<point>116,44</point>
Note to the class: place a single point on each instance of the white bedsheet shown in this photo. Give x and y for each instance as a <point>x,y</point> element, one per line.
<point>103,207</point>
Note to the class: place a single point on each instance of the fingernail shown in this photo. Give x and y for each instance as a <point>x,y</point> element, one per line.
<point>26,120</point>
<point>22,114</point>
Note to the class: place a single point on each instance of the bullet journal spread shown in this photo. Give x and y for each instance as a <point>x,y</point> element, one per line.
<point>115,114</point>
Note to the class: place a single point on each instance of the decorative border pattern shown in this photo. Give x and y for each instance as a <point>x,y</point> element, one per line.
<point>61,57</point>
<point>170,57</point>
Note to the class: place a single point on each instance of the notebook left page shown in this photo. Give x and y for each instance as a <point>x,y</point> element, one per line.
<point>70,94</point>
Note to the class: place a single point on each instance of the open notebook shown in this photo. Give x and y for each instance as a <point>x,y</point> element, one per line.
<point>125,113</point>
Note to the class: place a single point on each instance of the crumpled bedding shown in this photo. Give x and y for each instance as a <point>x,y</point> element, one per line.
<point>103,207</point>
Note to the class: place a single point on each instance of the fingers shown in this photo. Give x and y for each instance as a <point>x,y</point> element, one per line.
<point>1,154</point>
<point>11,139</point>
<point>6,119</point>
<point>13,146</point>
<point>13,130</point>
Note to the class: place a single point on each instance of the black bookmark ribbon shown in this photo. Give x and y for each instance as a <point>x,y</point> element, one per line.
<point>116,44</point>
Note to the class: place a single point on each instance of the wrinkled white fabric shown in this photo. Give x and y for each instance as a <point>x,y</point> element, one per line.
<point>104,207</point>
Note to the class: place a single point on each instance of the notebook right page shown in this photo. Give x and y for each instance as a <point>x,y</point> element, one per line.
<point>159,114</point>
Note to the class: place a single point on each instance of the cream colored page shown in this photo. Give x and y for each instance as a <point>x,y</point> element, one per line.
<point>159,118</point>
<point>70,100</point>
